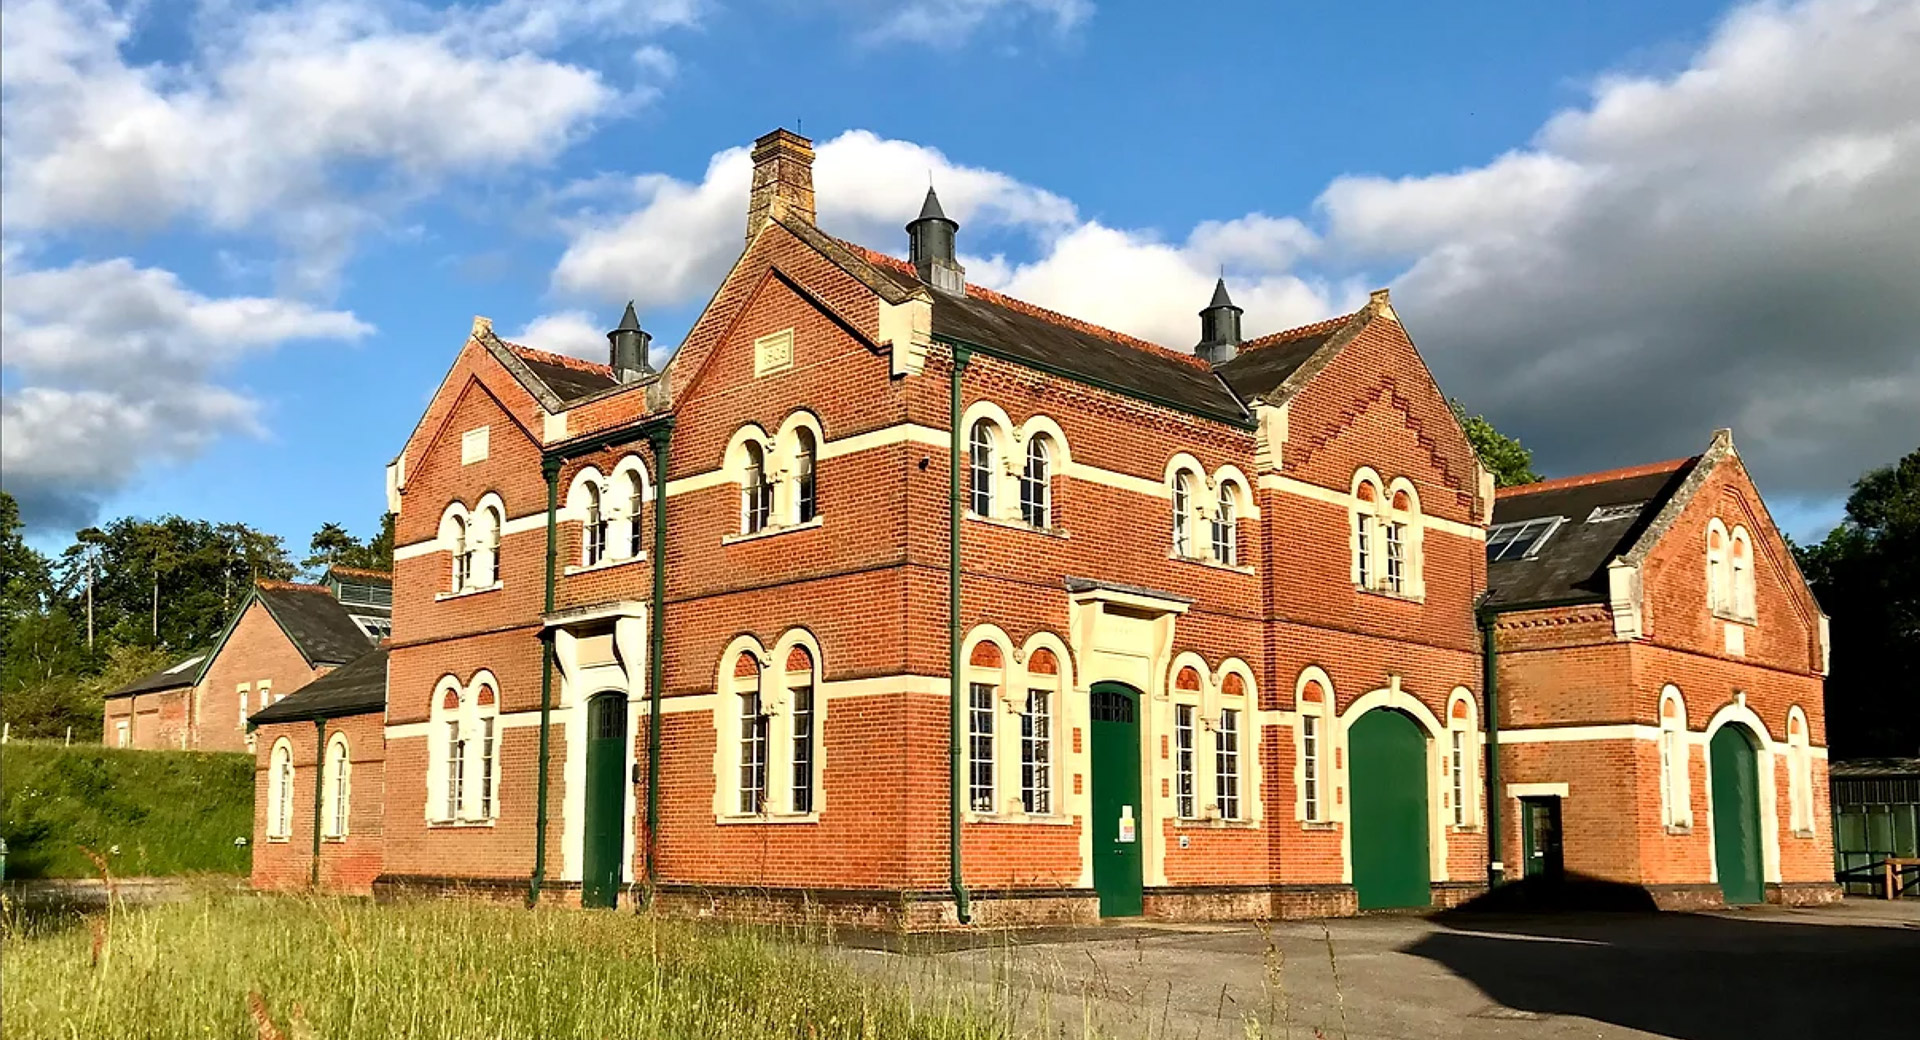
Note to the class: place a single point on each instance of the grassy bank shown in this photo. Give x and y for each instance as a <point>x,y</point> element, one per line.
<point>150,813</point>
<point>220,966</point>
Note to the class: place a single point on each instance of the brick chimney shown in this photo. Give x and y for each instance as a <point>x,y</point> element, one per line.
<point>782,180</point>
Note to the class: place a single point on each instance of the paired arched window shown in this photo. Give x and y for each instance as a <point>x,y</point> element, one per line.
<point>1206,511</point>
<point>1014,701</point>
<point>336,796</point>
<point>1730,564</point>
<point>463,775</point>
<point>611,510</point>
<point>778,476</point>
<point>1036,484</point>
<point>1799,773</point>
<point>1385,536</point>
<point>1210,740</point>
<point>1676,788</point>
<point>472,540</point>
<point>772,712</point>
<point>280,791</point>
<point>982,451</point>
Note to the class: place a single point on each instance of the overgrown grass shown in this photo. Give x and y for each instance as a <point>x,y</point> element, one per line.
<point>253,967</point>
<point>150,813</point>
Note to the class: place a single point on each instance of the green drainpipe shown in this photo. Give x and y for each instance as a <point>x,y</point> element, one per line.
<point>1490,679</point>
<point>960,356</point>
<point>549,468</point>
<point>656,649</point>
<point>319,787</point>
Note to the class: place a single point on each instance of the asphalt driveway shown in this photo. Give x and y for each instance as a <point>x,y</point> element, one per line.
<point>1847,970</point>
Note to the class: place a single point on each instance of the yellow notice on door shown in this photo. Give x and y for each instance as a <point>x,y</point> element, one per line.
<point>1126,824</point>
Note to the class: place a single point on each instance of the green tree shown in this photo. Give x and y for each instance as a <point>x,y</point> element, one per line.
<point>1866,574</point>
<point>1504,457</point>
<point>167,583</point>
<point>334,544</point>
<point>26,578</point>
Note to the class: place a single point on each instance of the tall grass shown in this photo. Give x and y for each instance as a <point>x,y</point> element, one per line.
<point>149,812</point>
<point>261,968</point>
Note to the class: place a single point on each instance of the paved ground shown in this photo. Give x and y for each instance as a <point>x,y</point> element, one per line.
<point>1849,970</point>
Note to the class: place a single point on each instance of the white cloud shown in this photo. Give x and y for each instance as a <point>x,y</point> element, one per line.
<point>121,364</point>
<point>311,120</point>
<point>951,22</point>
<point>575,333</point>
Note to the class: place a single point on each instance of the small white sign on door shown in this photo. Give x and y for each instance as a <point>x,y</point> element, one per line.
<point>1126,824</point>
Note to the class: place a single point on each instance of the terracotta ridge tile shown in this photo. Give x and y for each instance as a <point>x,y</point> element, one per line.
<point>360,572</point>
<point>1299,332</point>
<point>291,586</point>
<point>527,353</point>
<point>1603,477</point>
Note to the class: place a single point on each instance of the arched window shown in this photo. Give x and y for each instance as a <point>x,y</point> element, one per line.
<point>636,503</point>
<point>1036,732</point>
<point>800,728</point>
<point>1740,564</point>
<point>1313,700</point>
<point>1676,794</point>
<point>594,538</point>
<point>462,555</point>
<point>280,791</point>
<point>1226,529</point>
<point>985,676</point>
<point>1187,708</point>
<point>1228,737</point>
<point>1036,485</point>
<point>487,552</point>
<point>751,733</point>
<point>981,452</point>
<point>1799,773</point>
<point>1462,755</point>
<point>1719,572</point>
<point>1366,524</point>
<point>1396,529</point>
<point>463,774</point>
<point>1182,514</point>
<point>805,502</point>
<point>756,492</point>
<point>337,796</point>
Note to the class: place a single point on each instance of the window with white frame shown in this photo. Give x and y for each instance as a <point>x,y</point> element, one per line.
<point>1364,521</point>
<point>1036,733</point>
<point>120,730</point>
<point>636,495</point>
<point>593,538</point>
<point>1184,805</point>
<point>1036,485</point>
<point>486,550</point>
<point>1459,770</point>
<point>280,791</point>
<point>462,556</point>
<point>1463,760</point>
<point>980,757</point>
<point>1740,566</point>
<point>982,451</point>
<point>756,491</point>
<point>750,733</point>
<point>336,798</point>
<point>1799,773</point>
<point>770,720</point>
<point>805,489</point>
<point>1226,769</point>
<point>245,690</point>
<point>463,776</point>
<point>1226,528</point>
<point>800,729</point>
<point>1385,536</point>
<point>1182,514</point>
<point>1313,702</point>
<point>1719,569</point>
<point>1675,787</point>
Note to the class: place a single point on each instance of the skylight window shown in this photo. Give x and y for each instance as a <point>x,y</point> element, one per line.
<point>1624,511</point>
<point>1519,540</point>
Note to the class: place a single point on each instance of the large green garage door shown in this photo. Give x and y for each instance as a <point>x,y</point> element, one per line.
<point>1736,815</point>
<point>1388,763</point>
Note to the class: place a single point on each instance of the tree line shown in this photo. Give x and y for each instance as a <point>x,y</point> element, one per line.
<point>131,597</point>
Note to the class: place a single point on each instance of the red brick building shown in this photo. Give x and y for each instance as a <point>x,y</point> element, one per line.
<point>283,635</point>
<point>1660,662</point>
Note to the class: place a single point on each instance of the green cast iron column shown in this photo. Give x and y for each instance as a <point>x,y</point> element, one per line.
<point>549,468</point>
<point>960,356</point>
<point>319,786</point>
<point>656,649</point>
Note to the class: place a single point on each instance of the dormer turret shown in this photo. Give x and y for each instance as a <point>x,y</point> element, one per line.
<point>930,246</point>
<point>1219,327</point>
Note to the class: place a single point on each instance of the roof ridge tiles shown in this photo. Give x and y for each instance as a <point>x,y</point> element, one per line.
<point>527,353</point>
<point>1602,477</point>
<point>1032,310</point>
<point>361,572</point>
<point>1298,332</point>
<point>290,586</point>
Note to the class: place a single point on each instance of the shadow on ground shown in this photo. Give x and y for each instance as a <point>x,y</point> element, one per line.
<point>1719,976</point>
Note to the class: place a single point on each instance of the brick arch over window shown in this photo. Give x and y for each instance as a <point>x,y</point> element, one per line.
<point>1316,788</point>
<point>1463,752</point>
<point>1676,758</point>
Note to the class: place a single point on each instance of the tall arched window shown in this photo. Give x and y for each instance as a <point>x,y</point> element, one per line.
<point>1366,522</point>
<point>981,453</point>
<point>1313,700</point>
<point>1719,573</point>
<point>1462,756</point>
<point>1187,709</point>
<point>756,492</point>
<point>805,501</point>
<point>1676,788</point>
<point>280,791</point>
<point>1799,773</point>
<point>1036,732</point>
<point>595,537</point>
<point>985,676</point>
<point>751,734</point>
<point>1228,738</point>
<point>801,728</point>
<point>1036,485</point>
<point>1182,514</point>
<point>337,797</point>
<point>636,502</point>
<point>1740,564</point>
<point>487,552</point>
<point>1226,529</point>
<point>462,555</point>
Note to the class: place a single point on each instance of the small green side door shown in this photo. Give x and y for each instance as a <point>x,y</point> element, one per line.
<point>1387,757</point>
<point>1114,750</point>
<point>605,838</point>
<point>1736,815</point>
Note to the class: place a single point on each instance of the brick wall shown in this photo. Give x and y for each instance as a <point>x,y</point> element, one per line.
<point>257,651</point>
<point>349,863</point>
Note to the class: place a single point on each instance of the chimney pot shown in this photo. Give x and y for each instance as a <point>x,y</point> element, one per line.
<point>782,181</point>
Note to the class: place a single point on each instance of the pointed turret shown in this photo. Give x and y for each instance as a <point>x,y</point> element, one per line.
<point>627,348</point>
<point>1219,327</point>
<point>930,245</point>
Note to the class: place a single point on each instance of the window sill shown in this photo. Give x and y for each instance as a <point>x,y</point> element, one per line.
<point>1397,597</point>
<point>1318,825</point>
<point>495,587</point>
<point>1464,828</point>
<point>732,819</point>
<point>1019,525</point>
<point>769,532</point>
<point>456,825</point>
<point>1679,829</point>
<point>1207,561</point>
<point>279,839</point>
<point>1803,833</point>
<point>603,565</point>
<point>1739,619</point>
<point>1203,824</point>
<point>1036,819</point>
<point>333,839</point>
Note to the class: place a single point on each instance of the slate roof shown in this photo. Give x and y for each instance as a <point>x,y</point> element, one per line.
<point>1263,364</point>
<point>569,378</point>
<point>172,677</point>
<point>318,625</point>
<point>1570,566</point>
<point>1081,349</point>
<point>1869,767</point>
<point>355,688</point>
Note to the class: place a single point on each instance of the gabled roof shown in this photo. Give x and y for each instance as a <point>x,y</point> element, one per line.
<point>1273,368</point>
<point>1078,349</point>
<point>567,378</point>
<point>181,673</point>
<point>355,688</point>
<point>317,625</point>
<point>1570,565</point>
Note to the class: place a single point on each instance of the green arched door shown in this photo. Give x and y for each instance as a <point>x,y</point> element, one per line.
<point>1736,815</point>
<point>605,839</point>
<point>1387,763</point>
<point>1113,747</point>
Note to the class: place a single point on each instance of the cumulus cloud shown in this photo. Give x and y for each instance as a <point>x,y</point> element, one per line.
<point>573,332</point>
<point>949,23</point>
<point>120,362</point>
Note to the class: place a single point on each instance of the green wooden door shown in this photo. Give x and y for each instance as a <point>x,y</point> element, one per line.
<point>1387,757</point>
<point>605,840</point>
<point>1736,815</point>
<point>1540,834</point>
<point>1114,748</point>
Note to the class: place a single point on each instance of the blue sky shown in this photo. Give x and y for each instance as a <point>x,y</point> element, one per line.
<point>243,242</point>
